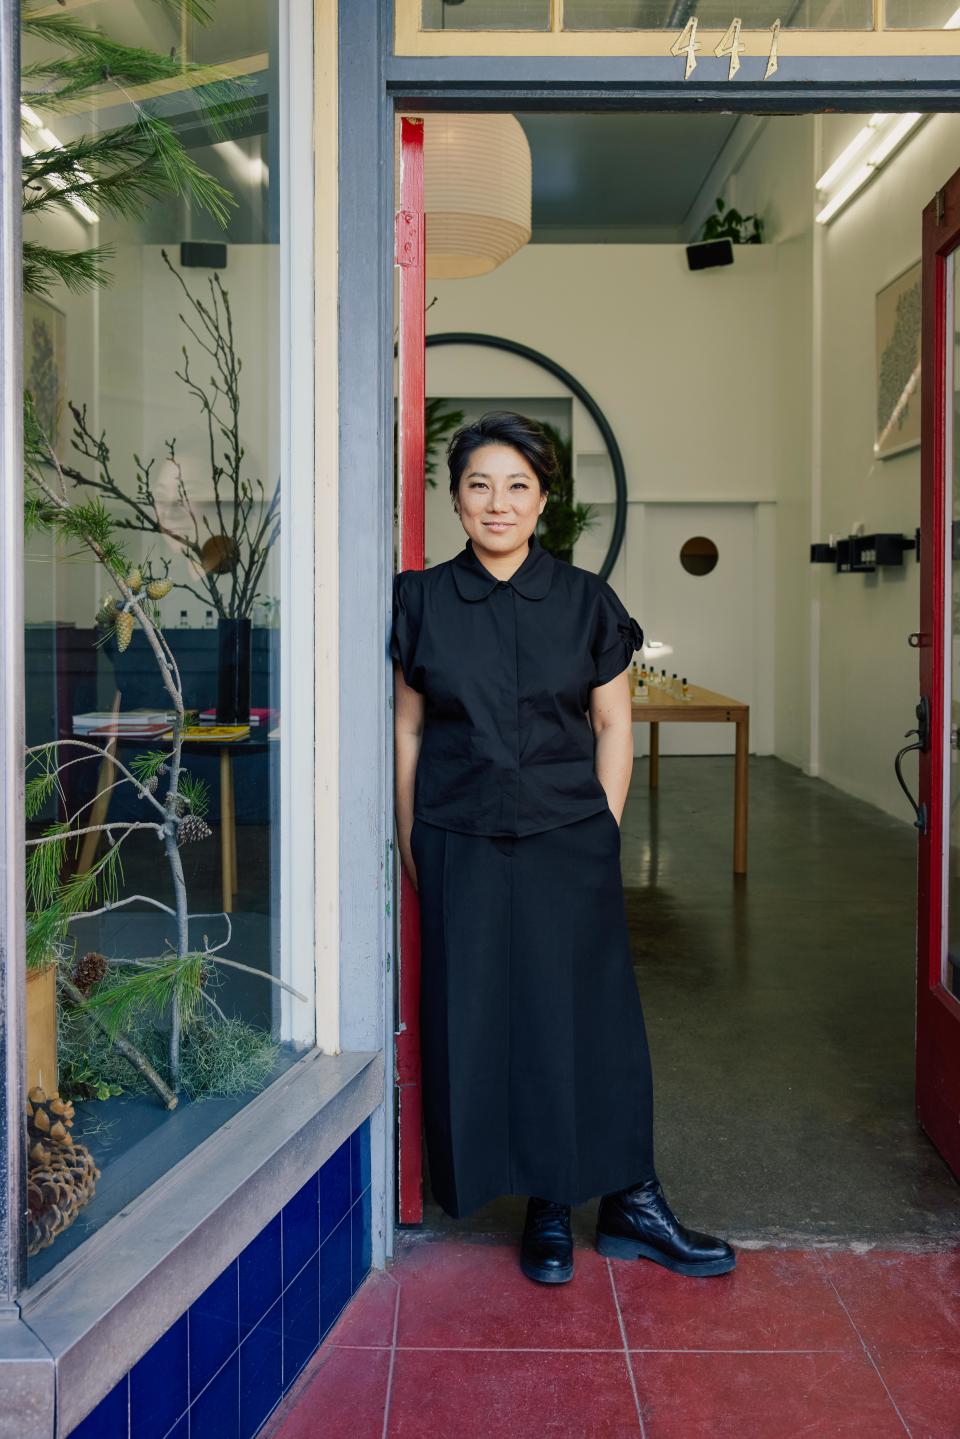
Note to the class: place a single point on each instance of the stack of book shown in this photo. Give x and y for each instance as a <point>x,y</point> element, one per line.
<point>260,719</point>
<point>125,724</point>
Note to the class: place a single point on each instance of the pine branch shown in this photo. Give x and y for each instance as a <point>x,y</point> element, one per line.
<point>79,270</point>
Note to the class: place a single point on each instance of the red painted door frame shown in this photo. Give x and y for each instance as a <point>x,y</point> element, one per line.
<point>938,1012</point>
<point>410,257</point>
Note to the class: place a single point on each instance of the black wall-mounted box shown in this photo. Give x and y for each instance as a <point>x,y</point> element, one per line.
<point>709,253</point>
<point>203,255</point>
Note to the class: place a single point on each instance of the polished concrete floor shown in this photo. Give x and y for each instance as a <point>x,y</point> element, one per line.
<point>780,1013</point>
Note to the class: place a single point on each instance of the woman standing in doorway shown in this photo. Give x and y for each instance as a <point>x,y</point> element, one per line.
<point>514,750</point>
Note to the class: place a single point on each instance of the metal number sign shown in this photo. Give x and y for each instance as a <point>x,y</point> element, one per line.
<point>730,44</point>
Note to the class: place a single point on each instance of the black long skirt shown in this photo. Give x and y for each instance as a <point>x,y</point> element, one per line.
<point>535,1067</point>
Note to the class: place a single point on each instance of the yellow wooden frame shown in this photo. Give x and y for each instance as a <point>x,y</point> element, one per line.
<point>557,43</point>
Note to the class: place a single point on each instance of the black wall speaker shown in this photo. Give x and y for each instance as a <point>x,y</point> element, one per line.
<point>203,254</point>
<point>709,253</point>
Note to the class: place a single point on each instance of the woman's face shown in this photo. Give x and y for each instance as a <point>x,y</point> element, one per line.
<point>499,498</point>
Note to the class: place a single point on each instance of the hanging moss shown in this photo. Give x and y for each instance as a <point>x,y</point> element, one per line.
<point>219,1059</point>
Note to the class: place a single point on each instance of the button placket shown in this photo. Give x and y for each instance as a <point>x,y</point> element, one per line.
<point>510,791</point>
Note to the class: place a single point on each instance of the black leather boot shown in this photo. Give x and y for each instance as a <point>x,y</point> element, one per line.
<point>546,1249</point>
<point>638,1223</point>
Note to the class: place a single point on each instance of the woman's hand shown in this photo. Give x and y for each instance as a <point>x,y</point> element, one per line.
<point>408,706</point>
<point>612,721</point>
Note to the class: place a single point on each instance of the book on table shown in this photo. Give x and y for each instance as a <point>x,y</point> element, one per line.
<point>132,724</point>
<point>259,717</point>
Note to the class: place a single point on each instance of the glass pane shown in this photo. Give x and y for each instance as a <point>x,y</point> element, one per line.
<point>485,15</point>
<point>716,14</point>
<point>920,14</point>
<point>951,958</point>
<point>151,584</point>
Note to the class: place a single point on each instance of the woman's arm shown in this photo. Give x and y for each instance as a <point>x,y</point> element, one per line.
<point>408,706</point>
<point>610,716</point>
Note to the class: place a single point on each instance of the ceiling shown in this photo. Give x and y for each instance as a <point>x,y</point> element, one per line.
<point>628,178</point>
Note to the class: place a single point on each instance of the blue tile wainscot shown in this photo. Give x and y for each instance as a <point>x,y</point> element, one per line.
<point>223,1367</point>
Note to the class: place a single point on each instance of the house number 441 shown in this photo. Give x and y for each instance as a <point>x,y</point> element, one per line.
<point>730,44</point>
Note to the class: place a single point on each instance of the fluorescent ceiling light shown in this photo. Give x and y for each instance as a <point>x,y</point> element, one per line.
<point>858,143</point>
<point>877,157</point>
<point>846,192</point>
<point>954,22</point>
<point>50,142</point>
<point>893,137</point>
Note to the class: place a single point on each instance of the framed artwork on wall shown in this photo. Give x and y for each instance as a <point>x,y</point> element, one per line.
<point>898,365</point>
<point>44,363</point>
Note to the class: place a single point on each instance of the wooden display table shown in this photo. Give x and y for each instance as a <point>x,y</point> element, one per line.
<point>703,707</point>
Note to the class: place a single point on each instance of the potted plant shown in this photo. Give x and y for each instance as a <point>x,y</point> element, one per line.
<point>726,223</point>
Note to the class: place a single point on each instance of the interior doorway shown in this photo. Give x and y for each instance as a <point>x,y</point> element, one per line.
<point>768,415</point>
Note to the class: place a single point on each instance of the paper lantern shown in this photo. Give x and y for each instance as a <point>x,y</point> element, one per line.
<point>477,187</point>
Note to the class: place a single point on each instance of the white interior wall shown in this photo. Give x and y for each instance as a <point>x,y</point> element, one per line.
<point>776,181</point>
<point>863,681</point>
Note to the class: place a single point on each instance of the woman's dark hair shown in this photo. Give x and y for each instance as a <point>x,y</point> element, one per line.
<point>503,427</point>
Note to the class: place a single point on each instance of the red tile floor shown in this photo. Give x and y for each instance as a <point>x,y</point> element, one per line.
<point>453,1342</point>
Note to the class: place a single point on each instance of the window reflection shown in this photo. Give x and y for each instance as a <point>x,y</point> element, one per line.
<point>485,14</point>
<point>155,962</point>
<point>717,14</point>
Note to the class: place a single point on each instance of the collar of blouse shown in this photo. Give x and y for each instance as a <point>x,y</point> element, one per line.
<point>531,579</point>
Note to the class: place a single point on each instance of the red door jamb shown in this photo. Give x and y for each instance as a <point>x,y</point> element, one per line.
<point>938,1012</point>
<point>410,257</point>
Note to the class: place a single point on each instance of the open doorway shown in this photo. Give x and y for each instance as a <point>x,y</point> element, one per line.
<point>766,413</point>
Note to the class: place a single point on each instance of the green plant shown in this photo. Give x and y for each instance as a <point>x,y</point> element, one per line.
<point>728,224</point>
<point>564,518</point>
<point>222,1059</point>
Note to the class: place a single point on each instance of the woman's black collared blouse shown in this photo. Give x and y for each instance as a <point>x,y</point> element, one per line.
<point>506,668</point>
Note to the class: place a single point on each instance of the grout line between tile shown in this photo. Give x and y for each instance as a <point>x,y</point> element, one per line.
<point>626,1351</point>
<point>566,1349</point>
<point>863,1344</point>
<point>393,1359</point>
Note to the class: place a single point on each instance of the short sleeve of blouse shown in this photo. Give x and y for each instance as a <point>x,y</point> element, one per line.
<point>616,637</point>
<point>405,628</point>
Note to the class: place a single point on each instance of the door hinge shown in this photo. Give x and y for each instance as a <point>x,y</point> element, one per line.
<point>408,238</point>
<point>940,206</point>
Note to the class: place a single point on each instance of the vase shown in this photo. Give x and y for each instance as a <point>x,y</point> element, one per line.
<point>233,671</point>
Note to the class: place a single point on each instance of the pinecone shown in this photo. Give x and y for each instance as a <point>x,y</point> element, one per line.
<point>61,1175</point>
<point>134,580</point>
<point>192,828</point>
<point>152,783</point>
<point>156,589</point>
<point>107,613</point>
<point>124,628</point>
<point>179,805</point>
<point>88,971</point>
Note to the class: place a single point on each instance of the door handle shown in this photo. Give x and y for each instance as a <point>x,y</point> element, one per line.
<point>921,744</point>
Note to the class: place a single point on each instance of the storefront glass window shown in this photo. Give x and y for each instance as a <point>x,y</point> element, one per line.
<point>717,14</point>
<point>485,14</point>
<point>163,991</point>
<point>921,15</point>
